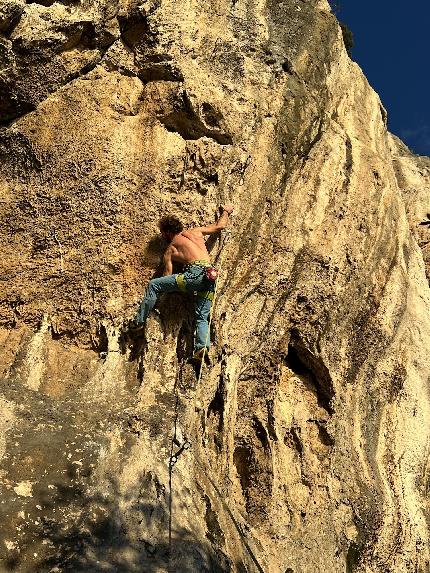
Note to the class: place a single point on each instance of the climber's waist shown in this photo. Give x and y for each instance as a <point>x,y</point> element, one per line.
<point>197,271</point>
<point>198,263</point>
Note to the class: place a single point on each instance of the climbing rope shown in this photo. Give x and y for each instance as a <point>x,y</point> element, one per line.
<point>173,458</point>
<point>199,463</point>
<point>225,240</point>
<point>174,455</point>
<point>172,445</point>
<point>230,514</point>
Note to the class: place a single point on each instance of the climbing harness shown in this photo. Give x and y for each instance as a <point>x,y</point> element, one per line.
<point>210,272</point>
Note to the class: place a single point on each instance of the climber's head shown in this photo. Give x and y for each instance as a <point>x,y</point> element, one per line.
<point>170,226</point>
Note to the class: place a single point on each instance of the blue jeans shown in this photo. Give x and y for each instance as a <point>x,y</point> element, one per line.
<point>192,279</point>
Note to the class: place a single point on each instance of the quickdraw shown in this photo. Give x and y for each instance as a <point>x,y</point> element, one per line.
<point>174,457</point>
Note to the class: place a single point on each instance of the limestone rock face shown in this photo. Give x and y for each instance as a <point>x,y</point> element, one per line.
<point>413,178</point>
<point>309,436</point>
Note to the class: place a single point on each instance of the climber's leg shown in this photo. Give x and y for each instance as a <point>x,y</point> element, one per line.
<point>202,313</point>
<point>156,287</point>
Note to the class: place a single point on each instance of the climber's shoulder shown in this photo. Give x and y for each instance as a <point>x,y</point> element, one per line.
<point>192,234</point>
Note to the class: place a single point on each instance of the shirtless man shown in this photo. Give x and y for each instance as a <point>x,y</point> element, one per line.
<point>189,249</point>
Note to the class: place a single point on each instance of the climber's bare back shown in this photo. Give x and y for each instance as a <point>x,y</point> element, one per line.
<point>188,246</point>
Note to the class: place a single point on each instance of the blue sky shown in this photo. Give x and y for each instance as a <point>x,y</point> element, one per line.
<point>391,46</point>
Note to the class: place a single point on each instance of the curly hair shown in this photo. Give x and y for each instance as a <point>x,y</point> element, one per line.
<point>170,224</point>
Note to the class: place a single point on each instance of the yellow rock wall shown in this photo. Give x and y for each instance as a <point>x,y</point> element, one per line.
<point>309,435</point>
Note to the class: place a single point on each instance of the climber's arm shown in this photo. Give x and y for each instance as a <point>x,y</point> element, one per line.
<point>221,224</point>
<point>167,260</point>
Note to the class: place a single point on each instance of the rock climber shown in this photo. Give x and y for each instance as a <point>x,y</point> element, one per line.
<point>188,248</point>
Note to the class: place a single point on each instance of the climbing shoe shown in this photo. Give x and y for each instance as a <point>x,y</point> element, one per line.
<point>131,328</point>
<point>135,327</point>
<point>202,355</point>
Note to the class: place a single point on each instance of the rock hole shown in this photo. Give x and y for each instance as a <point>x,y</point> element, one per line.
<point>134,29</point>
<point>213,530</point>
<point>101,343</point>
<point>186,122</point>
<point>261,433</point>
<point>242,459</point>
<point>302,362</point>
<point>293,440</point>
<point>353,557</point>
<point>216,407</point>
<point>295,364</point>
<point>184,342</point>
<point>210,115</point>
<point>190,127</point>
<point>81,36</point>
<point>158,71</point>
<point>324,436</point>
<point>287,67</point>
